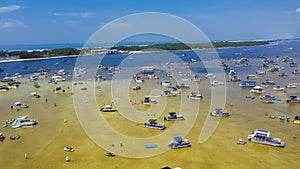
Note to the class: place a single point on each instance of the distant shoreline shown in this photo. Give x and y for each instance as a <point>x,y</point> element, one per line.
<point>164,47</point>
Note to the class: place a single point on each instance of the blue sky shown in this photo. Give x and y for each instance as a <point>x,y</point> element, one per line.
<point>65,21</point>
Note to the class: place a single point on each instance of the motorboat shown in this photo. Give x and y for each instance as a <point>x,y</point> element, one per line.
<point>260,72</point>
<point>59,90</point>
<point>193,95</point>
<point>33,78</point>
<point>257,89</point>
<point>7,79</point>
<point>179,142</point>
<point>139,80</point>
<point>210,76</point>
<point>291,85</point>
<point>268,82</point>
<point>136,88</point>
<point>69,149</point>
<point>235,78</point>
<point>217,83</point>
<point>232,72</point>
<point>148,100</point>
<point>155,125</point>
<point>297,120</point>
<point>174,116</point>
<point>4,88</point>
<point>109,154</point>
<point>34,95</point>
<point>182,86</point>
<point>19,105</point>
<point>251,77</point>
<point>58,78</point>
<point>21,123</point>
<point>219,112</point>
<point>166,83</point>
<point>248,84</point>
<point>267,97</point>
<point>108,108</point>
<point>278,88</point>
<point>293,99</point>
<point>175,90</point>
<point>168,94</point>
<point>296,71</point>
<point>240,141</point>
<point>264,137</point>
<point>2,137</point>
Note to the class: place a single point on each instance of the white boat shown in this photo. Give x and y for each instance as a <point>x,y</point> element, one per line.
<point>19,105</point>
<point>34,95</point>
<point>232,72</point>
<point>210,76</point>
<point>179,143</point>
<point>33,77</point>
<point>257,89</point>
<point>166,83</point>
<point>108,108</point>
<point>173,116</point>
<point>195,96</point>
<point>291,85</point>
<point>58,78</point>
<point>4,88</point>
<point>168,94</point>
<point>21,123</point>
<point>148,100</point>
<point>219,112</point>
<point>278,88</point>
<point>264,137</point>
<point>217,83</point>
<point>155,125</point>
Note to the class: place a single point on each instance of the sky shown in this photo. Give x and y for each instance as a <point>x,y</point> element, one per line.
<point>66,21</point>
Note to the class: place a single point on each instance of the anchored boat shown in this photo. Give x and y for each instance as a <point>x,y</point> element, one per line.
<point>155,125</point>
<point>264,137</point>
<point>174,116</point>
<point>178,142</point>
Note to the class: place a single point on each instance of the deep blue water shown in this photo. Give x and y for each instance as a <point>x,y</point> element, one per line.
<point>280,48</point>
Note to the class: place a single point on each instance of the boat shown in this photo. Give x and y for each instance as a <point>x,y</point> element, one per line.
<point>264,137</point>
<point>260,72</point>
<point>21,123</point>
<point>109,154</point>
<point>155,125</point>
<point>232,72</point>
<point>267,97</point>
<point>248,84</point>
<point>7,79</point>
<point>136,88</point>
<point>210,76</point>
<point>251,77</point>
<point>219,112</point>
<point>235,78</point>
<point>257,89</point>
<point>34,95</point>
<point>217,83</point>
<point>139,80</point>
<point>58,78</point>
<point>2,137</point>
<point>166,83</point>
<point>148,100</point>
<point>278,88</point>
<point>193,95</point>
<point>296,71</point>
<point>168,94</point>
<point>148,70</point>
<point>19,105</point>
<point>268,82</point>
<point>108,108</point>
<point>291,85</point>
<point>175,90</point>
<point>33,78</point>
<point>4,88</point>
<point>240,141</point>
<point>59,90</point>
<point>69,149</point>
<point>297,120</point>
<point>182,86</point>
<point>293,99</point>
<point>282,117</point>
<point>174,116</point>
<point>15,137</point>
<point>178,142</point>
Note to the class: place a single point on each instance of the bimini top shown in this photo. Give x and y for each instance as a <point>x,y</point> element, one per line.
<point>178,138</point>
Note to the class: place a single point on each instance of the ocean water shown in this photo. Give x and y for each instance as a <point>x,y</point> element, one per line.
<point>44,142</point>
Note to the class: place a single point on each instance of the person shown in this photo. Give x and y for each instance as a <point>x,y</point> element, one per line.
<point>67,159</point>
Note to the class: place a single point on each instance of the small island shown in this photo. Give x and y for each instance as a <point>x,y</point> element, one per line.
<point>47,53</point>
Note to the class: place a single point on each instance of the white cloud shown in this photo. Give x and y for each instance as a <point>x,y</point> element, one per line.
<point>11,24</point>
<point>298,10</point>
<point>5,9</point>
<point>75,14</point>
